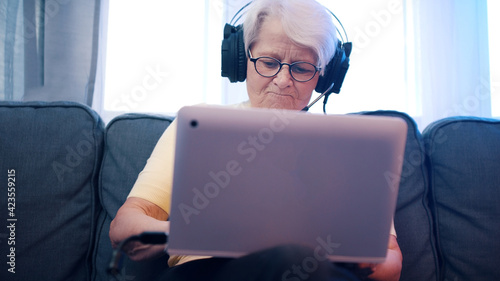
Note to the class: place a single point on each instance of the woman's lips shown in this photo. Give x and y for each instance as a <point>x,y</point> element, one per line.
<point>280,94</point>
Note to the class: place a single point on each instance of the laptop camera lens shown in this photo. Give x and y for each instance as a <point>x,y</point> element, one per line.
<point>194,123</point>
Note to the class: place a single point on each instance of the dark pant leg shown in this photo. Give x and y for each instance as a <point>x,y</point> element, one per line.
<point>283,263</point>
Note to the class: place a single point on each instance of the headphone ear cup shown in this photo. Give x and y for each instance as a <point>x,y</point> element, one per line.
<point>328,77</point>
<point>335,71</point>
<point>234,59</point>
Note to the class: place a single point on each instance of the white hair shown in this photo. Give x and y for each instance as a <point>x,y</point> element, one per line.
<point>306,22</point>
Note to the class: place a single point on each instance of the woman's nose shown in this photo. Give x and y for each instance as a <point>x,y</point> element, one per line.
<point>283,78</point>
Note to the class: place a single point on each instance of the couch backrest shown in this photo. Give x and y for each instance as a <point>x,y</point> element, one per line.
<point>129,141</point>
<point>49,161</point>
<point>413,218</point>
<point>464,168</point>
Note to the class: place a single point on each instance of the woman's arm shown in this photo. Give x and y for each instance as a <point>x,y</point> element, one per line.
<point>135,216</point>
<point>390,270</point>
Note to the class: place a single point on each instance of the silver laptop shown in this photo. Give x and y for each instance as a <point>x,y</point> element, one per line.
<point>250,179</point>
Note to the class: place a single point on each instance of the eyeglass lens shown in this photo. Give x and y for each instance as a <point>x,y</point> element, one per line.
<point>300,71</point>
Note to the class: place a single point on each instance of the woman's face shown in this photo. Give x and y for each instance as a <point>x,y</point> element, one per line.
<point>280,91</point>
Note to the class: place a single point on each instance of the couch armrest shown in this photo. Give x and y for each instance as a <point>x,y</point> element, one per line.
<point>464,168</point>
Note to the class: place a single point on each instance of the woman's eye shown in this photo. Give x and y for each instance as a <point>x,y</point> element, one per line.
<point>303,69</point>
<point>270,64</point>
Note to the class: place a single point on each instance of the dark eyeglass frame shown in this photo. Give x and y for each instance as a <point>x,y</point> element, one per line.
<point>290,65</point>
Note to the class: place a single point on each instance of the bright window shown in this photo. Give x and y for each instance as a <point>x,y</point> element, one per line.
<point>494,41</point>
<point>161,55</point>
<point>376,77</point>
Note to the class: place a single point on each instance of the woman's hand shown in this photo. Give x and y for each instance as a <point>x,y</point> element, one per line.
<point>135,217</point>
<point>390,269</point>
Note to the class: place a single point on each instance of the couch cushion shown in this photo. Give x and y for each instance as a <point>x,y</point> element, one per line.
<point>413,219</point>
<point>464,162</point>
<point>50,155</point>
<point>129,141</point>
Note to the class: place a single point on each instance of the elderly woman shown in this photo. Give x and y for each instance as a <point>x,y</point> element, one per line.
<point>288,44</point>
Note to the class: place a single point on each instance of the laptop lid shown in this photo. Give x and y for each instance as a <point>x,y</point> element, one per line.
<point>250,179</point>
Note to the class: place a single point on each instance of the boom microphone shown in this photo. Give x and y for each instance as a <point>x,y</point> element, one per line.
<point>318,98</point>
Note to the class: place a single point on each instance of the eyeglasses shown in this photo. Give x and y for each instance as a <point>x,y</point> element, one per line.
<point>300,71</point>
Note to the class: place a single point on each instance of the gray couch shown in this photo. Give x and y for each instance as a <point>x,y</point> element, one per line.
<point>63,176</point>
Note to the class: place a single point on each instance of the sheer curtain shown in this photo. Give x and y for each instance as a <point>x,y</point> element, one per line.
<point>49,49</point>
<point>451,58</point>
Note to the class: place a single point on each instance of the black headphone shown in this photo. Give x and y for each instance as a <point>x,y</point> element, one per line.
<point>234,59</point>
